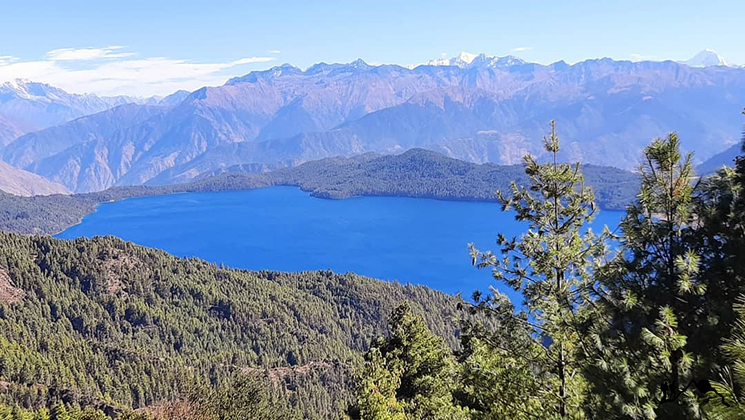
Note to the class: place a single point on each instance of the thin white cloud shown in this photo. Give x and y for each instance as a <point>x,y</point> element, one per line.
<point>640,57</point>
<point>87,54</point>
<point>521,49</point>
<point>250,60</point>
<point>274,52</point>
<point>106,71</point>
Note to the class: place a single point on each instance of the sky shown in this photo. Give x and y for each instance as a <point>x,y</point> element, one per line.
<point>156,47</point>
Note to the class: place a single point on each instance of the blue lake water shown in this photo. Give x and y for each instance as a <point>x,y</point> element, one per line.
<point>282,228</point>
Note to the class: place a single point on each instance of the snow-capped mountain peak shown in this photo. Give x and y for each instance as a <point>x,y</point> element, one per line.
<point>461,60</point>
<point>469,60</point>
<point>707,58</point>
<point>15,85</point>
<point>465,57</point>
<point>27,89</point>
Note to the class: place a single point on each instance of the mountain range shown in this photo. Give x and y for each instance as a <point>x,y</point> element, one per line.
<point>28,106</point>
<point>477,108</point>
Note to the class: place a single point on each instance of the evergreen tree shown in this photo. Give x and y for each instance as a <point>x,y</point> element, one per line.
<point>551,265</point>
<point>409,375</point>
<point>720,229</point>
<point>244,398</point>
<point>41,414</point>
<point>376,390</point>
<point>651,298</point>
<point>19,414</point>
<point>59,412</point>
<point>498,381</point>
<point>726,399</point>
<point>92,414</point>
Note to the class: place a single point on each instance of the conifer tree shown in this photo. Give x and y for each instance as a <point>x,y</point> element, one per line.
<point>92,414</point>
<point>19,414</point>
<point>720,214</point>
<point>59,412</point>
<point>409,375</point>
<point>497,379</point>
<point>651,298</point>
<point>376,390</point>
<point>41,414</point>
<point>726,398</point>
<point>551,265</point>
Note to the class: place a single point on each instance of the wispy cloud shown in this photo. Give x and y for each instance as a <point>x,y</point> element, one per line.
<point>87,54</point>
<point>250,60</point>
<point>113,71</point>
<point>7,59</point>
<point>641,57</point>
<point>521,49</point>
<point>274,52</point>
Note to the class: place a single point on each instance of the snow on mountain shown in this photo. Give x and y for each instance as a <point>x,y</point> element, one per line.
<point>40,105</point>
<point>707,58</point>
<point>467,60</point>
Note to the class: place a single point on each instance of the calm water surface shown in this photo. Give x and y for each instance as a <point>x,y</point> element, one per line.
<point>282,228</point>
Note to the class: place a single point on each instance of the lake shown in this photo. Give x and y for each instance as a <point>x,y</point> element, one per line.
<point>413,240</point>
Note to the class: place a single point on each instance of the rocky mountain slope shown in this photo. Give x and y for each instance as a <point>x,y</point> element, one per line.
<point>19,182</point>
<point>11,129</point>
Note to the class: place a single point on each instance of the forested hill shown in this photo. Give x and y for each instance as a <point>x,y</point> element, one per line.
<point>423,173</point>
<point>120,325</point>
<point>415,173</point>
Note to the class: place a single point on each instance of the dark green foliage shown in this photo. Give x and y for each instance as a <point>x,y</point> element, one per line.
<point>497,367</point>
<point>108,323</point>
<point>427,174</point>
<point>408,375</point>
<point>720,242</point>
<point>59,411</point>
<point>726,399</point>
<point>650,338</point>
<point>242,398</point>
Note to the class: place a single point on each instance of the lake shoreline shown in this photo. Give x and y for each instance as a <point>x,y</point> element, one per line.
<point>312,192</point>
<point>415,240</point>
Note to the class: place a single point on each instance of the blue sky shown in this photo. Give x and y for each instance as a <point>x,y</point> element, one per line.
<point>154,47</point>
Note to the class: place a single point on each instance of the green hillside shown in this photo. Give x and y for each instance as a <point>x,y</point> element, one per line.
<point>120,325</point>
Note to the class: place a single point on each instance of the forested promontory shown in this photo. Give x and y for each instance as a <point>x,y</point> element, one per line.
<point>416,173</point>
<point>427,174</point>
